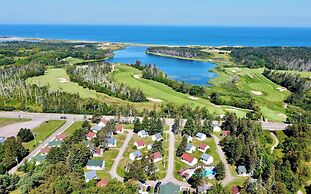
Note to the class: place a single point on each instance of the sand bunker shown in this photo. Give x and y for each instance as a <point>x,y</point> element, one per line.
<point>154,100</point>
<point>193,98</point>
<point>234,71</point>
<point>258,93</point>
<point>281,89</point>
<point>62,80</point>
<point>137,76</point>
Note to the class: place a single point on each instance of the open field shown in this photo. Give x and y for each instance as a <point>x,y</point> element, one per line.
<point>155,90</point>
<point>72,128</point>
<point>269,96</point>
<point>8,121</point>
<point>42,132</point>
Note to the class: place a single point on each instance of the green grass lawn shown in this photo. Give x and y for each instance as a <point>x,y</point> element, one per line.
<point>267,94</point>
<point>162,165</point>
<point>42,132</point>
<point>8,121</point>
<point>72,60</point>
<point>125,74</point>
<point>72,128</point>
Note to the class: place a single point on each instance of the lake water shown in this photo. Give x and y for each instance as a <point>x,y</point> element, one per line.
<point>193,72</point>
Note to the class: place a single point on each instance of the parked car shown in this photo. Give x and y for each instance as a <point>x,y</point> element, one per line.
<point>156,187</point>
<point>63,117</point>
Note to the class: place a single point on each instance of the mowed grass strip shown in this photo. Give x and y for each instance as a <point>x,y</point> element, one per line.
<point>72,128</point>
<point>42,132</point>
<point>8,121</point>
<point>125,74</point>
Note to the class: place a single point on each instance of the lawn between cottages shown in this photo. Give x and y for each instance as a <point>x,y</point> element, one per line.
<point>162,165</point>
<point>42,132</point>
<point>73,127</point>
<point>197,154</point>
<point>8,121</point>
<point>109,156</point>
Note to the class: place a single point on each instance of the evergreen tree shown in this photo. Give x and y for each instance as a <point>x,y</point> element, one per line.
<point>182,147</point>
<point>137,126</point>
<point>25,135</point>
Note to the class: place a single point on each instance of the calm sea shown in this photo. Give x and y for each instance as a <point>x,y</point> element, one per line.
<point>192,72</point>
<point>214,36</point>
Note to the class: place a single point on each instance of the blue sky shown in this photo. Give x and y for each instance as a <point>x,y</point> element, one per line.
<point>158,12</point>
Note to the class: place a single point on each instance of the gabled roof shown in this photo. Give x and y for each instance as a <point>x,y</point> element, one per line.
<point>199,135</point>
<point>111,140</point>
<point>140,143</point>
<point>2,139</point>
<point>203,146</point>
<point>119,127</point>
<point>169,188</point>
<point>242,169</point>
<point>54,143</point>
<point>90,175</point>
<point>39,158</point>
<point>205,157</point>
<point>187,157</point>
<point>96,128</point>
<point>61,136</point>
<point>156,155</point>
<point>143,132</point>
<point>226,132</point>
<point>189,146</point>
<point>90,134</point>
<point>158,135</point>
<point>103,120</point>
<point>137,154</point>
<point>236,189</point>
<point>45,150</point>
<point>98,163</point>
<point>102,183</point>
<point>98,150</point>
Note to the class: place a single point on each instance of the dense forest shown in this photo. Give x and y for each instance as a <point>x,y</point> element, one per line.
<point>95,76</point>
<point>184,52</point>
<point>247,145</point>
<point>300,99</point>
<point>282,58</point>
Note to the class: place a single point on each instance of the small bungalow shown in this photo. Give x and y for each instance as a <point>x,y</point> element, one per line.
<point>142,134</point>
<point>135,155</point>
<point>102,183</point>
<point>90,135</point>
<point>225,133</point>
<point>157,137</point>
<point>203,147</point>
<point>242,171</point>
<point>236,190</point>
<point>169,188</point>
<point>216,128</point>
<point>2,139</point>
<point>119,128</point>
<point>189,138</point>
<point>53,144</point>
<point>112,142</point>
<point>60,137</point>
<point>200,136</point>
<point>149,147</point>
<point>98,152</point>
<point>96,128</point>
<point>156,157</point>
<point>39,158</point>
<point>190,148</point>
<point>95,165</point>
<point>45,150</point>
<point>188,159</point>
<point>103,122</point>
<point>90,175</point>
<point>207,159</point>
<point>140,144</point>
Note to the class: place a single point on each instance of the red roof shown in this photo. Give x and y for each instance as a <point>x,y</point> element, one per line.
<point>236,190</point>
<point>187,157</point>
<point>91,134</point>
<point>98,151</point>
<point>102,183</point>
<point>103,120</point>
<point>202,146</point>
<point>225,133</point>
<point>156,155</point>
<point>45,150</point>
<point>119,127</point>
<point>61,137</point>
<point>140,143</point>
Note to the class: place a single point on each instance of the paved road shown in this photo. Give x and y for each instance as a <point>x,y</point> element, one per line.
<point>43,144</point>
<point>229,177</point>
<point>276,142</point>
<point>113,170</point>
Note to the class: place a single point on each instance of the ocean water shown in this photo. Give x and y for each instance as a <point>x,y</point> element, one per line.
<point>192,72</point>
<point>213,36</point>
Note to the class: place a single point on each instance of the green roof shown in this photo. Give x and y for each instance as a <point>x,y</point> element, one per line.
<point>39,158</point>
<point>98,163</point>
<point>54,143</point>
<point>169,188</point>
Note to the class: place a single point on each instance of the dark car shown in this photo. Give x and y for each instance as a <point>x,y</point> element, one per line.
<point>156,187</point>
<point>63,117</point>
